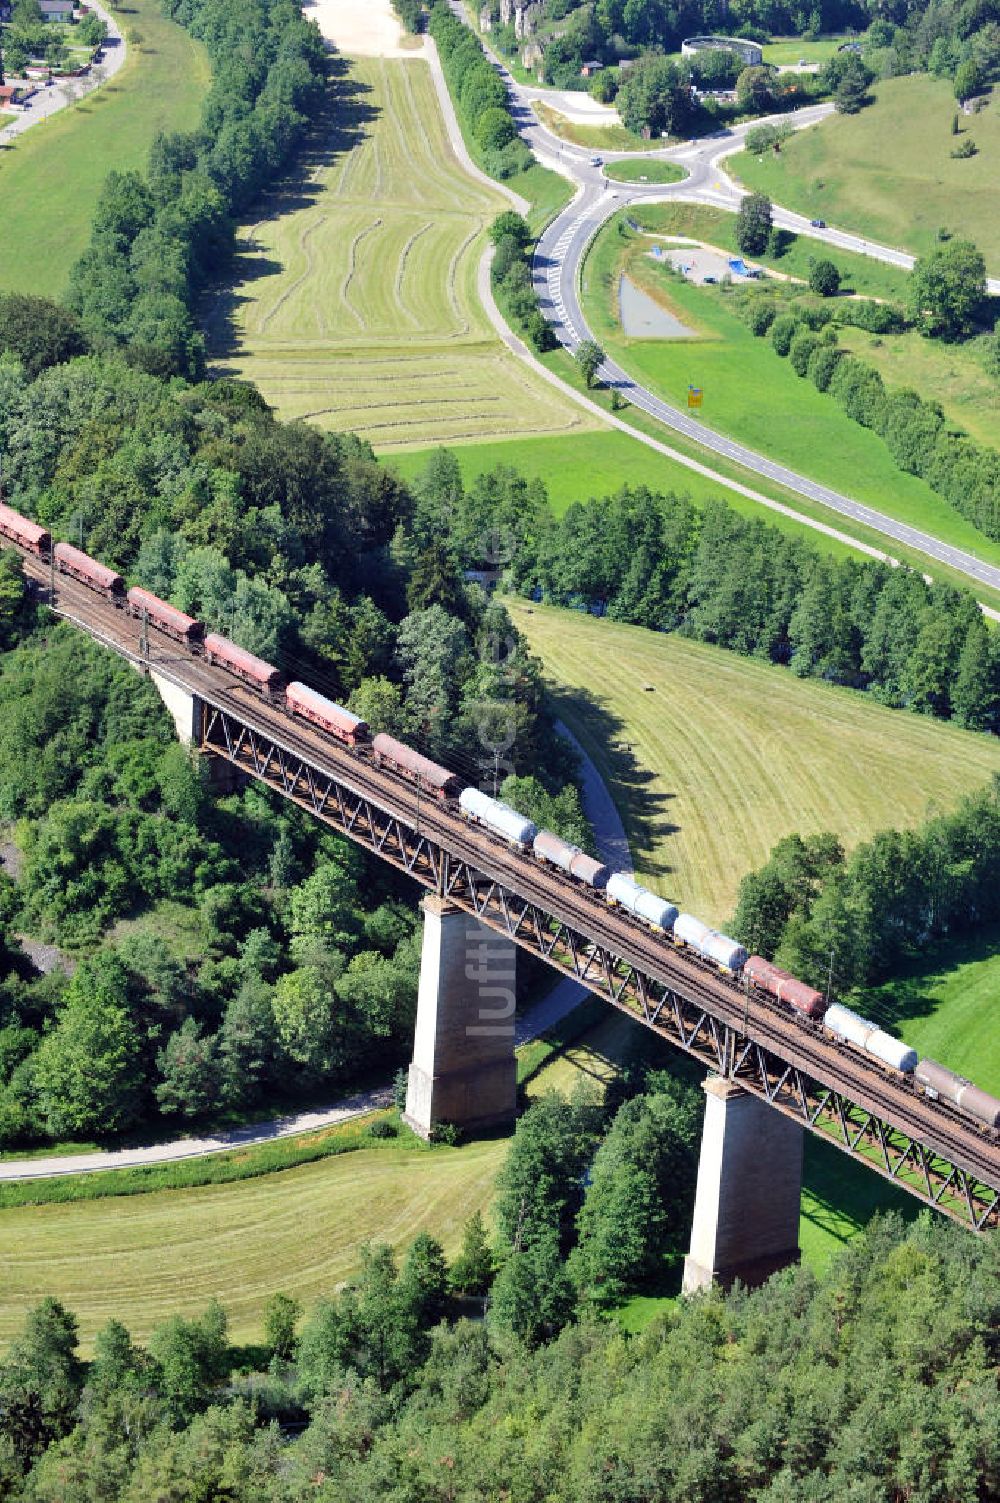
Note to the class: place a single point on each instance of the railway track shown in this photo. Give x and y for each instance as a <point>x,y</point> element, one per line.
<point>800,1045</point>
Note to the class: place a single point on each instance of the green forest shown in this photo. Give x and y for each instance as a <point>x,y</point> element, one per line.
<point>873,1381</point>
<point>304,550</point>
<point>223,954</point>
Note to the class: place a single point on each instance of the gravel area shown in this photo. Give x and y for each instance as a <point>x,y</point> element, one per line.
<point>361,28</point>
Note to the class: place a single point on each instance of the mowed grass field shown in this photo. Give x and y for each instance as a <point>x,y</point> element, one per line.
<point>888,172</point>
<point>712,757</point>
<point>752,395</point>
<point>51,177</point>
<point>785,52</point>
<point>141,1258</point>
<point>355,304</point>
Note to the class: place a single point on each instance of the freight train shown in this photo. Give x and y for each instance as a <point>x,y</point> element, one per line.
<point>707,946</point>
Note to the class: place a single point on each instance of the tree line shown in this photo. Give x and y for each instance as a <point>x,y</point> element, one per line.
<point>510,273</point>
<point>945,38</point>
<point>479,95</point>
<point>873,1379</point>
<point>612,30</point>
<point>655,560</point>
<point>158,237</point>
<point>858,918</point>
<point>947,291</point>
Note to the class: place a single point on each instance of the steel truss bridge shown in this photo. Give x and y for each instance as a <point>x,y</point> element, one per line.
<point>874,1116</point>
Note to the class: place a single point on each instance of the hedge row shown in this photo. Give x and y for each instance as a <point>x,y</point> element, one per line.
<point>916,432</point>
<point>479,96</point>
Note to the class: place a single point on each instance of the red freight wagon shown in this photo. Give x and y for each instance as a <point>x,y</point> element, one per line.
<point>164,617</point>
<point>88,571</point>
<point>781,984</point>
<point>437,780</point>
<point>254,670</point>
<point>302,700</point>
<point>27,534</point>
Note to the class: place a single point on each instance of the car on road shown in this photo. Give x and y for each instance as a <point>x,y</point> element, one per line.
<point>818,224</point>
<point>596,162</point>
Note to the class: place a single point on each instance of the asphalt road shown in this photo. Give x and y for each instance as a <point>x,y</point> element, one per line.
<point>558,260</point>
<point>562,248</point>
<point>49,101</point>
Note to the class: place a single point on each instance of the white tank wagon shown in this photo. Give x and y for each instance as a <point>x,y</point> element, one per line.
<point>690,931</point>
<point>504,821</point>
<point>717,948</point>
<point>892,1051</point>
<point>847,1025</point>
<point>570,859</point>
<point>639,901</point>
<point>725,952</point>
<point>937,1080</point>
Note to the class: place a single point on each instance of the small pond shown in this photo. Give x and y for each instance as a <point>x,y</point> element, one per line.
<point>643,318</point>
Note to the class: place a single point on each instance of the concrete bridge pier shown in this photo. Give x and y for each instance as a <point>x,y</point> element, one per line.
<point>463,1068</point>
<point>186,712</point>
<point>746,1210</point>
<point>185,708</point>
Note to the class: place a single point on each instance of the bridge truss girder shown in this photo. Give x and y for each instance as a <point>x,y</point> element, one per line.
<point>723,1045</point>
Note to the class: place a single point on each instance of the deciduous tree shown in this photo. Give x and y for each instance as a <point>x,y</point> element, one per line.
<point>753,224</point>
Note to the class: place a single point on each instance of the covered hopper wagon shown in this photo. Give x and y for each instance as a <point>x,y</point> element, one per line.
<point>331,717</point>
<point>388,752</point>
<point>253,670</point>
<point>165,617</point>
<point>26,534</point>
<point>88,571</point>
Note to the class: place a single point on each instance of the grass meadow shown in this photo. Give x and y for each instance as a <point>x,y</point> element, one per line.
<point>51,177</point>
<point>594,137</point>
<point>949,374</point>
<point>142,1258</point>
<point>717,227</point>
<point>785,52</point>
<point>946,1005</point>
<point>355,302</point>
<point>712,757</point>
<point>888,172</point>
<point>755,397</point>
<point>645,170</point>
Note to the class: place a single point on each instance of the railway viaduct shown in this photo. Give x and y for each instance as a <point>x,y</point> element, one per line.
<point>771,1077</point>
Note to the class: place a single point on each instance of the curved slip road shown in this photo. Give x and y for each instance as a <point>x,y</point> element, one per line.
<point>558,259</point>
<point>562,249</point>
